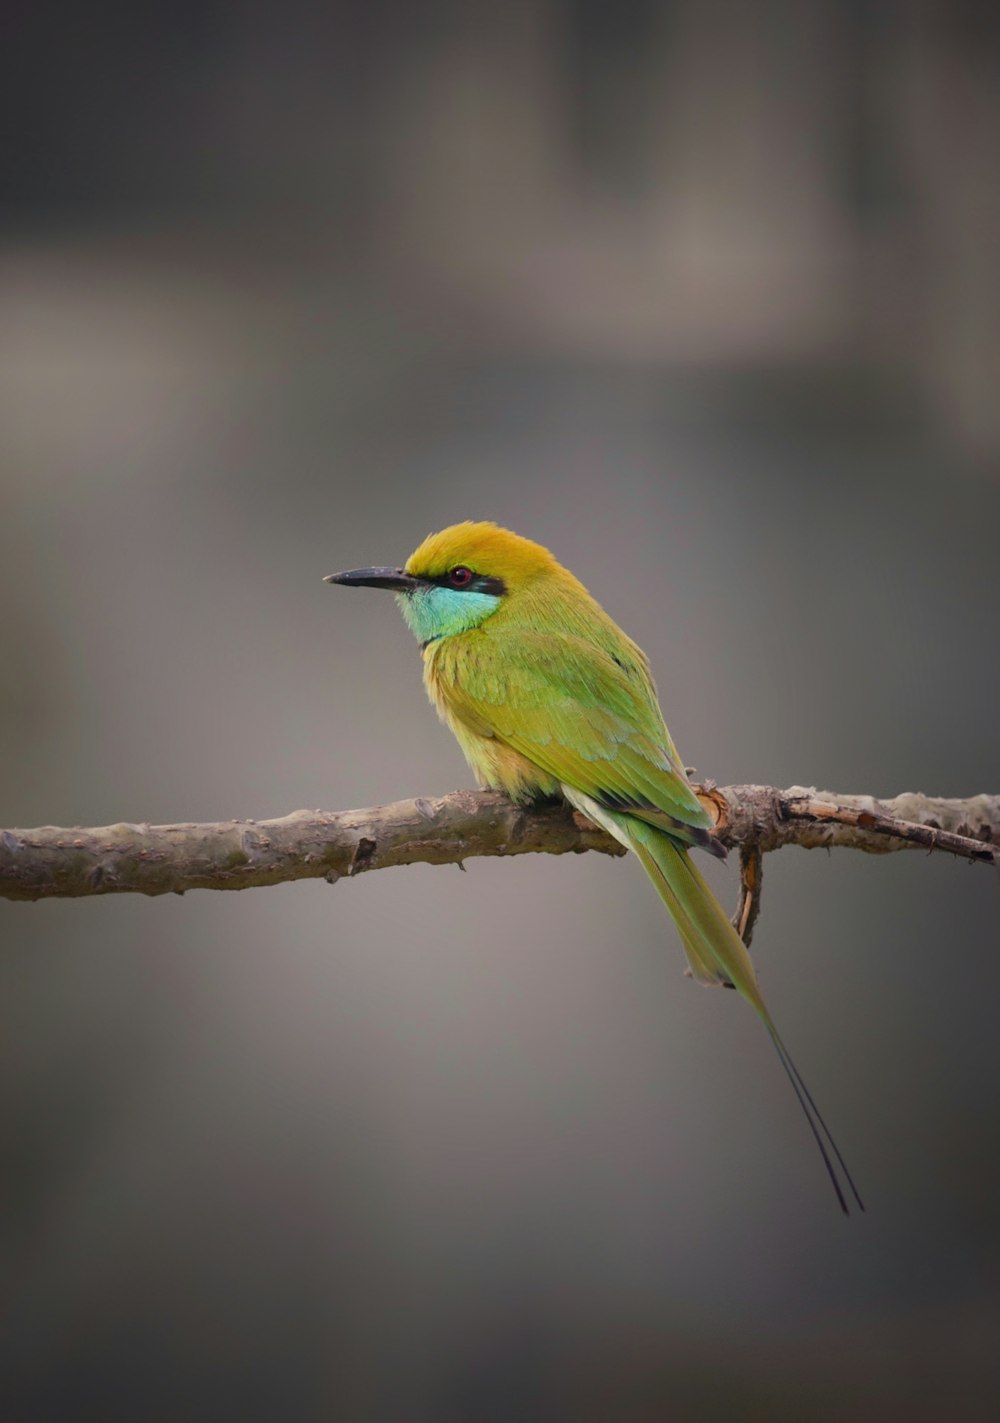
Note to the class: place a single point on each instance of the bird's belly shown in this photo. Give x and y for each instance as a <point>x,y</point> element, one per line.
<point>500,768</point>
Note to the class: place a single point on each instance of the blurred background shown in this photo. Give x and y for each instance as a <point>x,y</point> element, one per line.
<point>705,297</point>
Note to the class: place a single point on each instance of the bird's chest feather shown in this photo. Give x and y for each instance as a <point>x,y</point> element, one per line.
<point>450,666</point>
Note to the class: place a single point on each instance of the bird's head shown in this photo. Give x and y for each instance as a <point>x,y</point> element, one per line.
<point>458,578</point>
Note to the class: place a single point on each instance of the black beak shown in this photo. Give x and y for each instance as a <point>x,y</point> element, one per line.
<point>395,578</point>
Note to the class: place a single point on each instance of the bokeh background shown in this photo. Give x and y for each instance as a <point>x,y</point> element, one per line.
<point>704,296</point>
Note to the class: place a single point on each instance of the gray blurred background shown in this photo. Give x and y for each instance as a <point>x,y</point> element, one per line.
<point>705,297</point>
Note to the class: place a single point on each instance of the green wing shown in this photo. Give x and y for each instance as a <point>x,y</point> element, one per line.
<point>582,714</point>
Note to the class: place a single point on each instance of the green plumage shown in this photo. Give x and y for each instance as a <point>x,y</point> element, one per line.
<point>547,695</point>
<point>591,724</point>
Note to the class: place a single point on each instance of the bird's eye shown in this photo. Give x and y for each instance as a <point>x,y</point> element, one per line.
<point>460,577</point>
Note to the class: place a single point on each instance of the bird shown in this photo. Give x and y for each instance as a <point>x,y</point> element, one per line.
<point>548,697</point>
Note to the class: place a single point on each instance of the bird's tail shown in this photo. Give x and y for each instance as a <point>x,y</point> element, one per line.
<point>717,955</point>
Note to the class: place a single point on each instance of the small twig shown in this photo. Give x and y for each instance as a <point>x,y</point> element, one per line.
<point>751,884</point>
<point>928,834</point>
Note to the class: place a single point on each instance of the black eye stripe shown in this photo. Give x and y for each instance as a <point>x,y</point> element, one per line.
<point>478,583</point>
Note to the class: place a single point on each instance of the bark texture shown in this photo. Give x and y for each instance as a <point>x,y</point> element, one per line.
<point>242,854</point>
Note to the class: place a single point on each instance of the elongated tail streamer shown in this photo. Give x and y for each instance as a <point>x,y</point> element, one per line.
<point>717,954</point>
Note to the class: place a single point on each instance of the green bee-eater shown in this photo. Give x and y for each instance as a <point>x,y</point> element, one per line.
<point>547,696</point>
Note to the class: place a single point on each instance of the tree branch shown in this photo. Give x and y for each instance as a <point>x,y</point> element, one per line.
<point>241,854</point>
